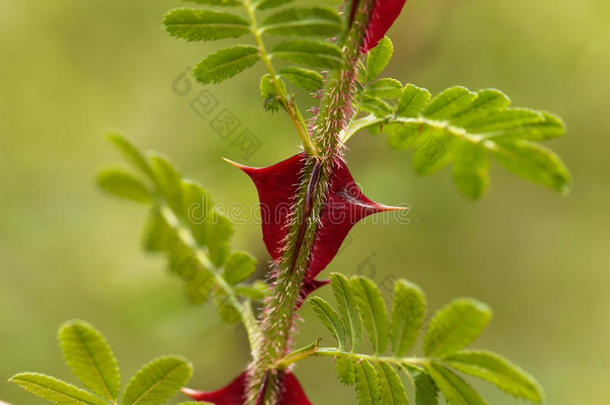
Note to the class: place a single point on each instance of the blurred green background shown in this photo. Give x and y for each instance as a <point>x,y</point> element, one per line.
<point>71,68</point>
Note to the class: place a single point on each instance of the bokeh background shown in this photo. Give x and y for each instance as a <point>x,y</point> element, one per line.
<point>72,68</point>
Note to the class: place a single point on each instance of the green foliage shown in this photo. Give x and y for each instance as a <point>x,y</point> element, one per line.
<point>239,266</point>
<point>184,225</point>
<point>307,52</point>
<point>157,381</point>
<point>497,370</point>
<point>225,63</point>
<point>269,92</point>
<point>454,326</point>
<point>90,358</point>
<point>465,127</point>
<point>455,390</point>
<point>384,88</point>
<point>55,390</point>
<point>451,329</point>
<point>124,185</point>
<point>378,58</point>
<point>346,300</point>
<point>426,392</point>
<point>408,314</point>
<point>331,320</point>
<point>305,78</point>
<point>197,25</point>
<point>373,311</point>
<point>314,21</point>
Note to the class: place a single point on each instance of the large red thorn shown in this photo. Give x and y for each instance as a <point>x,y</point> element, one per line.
<point>383,15</point>
<point>234,393</point>
<point>345,204</point>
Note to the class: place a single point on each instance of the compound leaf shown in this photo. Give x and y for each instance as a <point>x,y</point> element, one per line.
<point>378,58</point>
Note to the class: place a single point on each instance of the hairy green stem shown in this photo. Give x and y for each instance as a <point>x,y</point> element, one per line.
<point>279,313</point>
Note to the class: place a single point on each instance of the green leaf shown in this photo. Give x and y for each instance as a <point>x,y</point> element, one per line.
<point>310,53</point>
<point>408,312</point>
<point>157,381</point>
<point>373,311</point>
<point>378,58</point>
<point>455,390</point>
<point>346,300</point>
<point>551,127</point>
<point>391,388</point>
<point>219,233</point>
<point>217,2</point>
<point>157,235</point>
<point>449,102</point>
<point>375,106</point>
<point>197,25</point>
<point>269,92</point>
<point>307,79</point>
<point>131,153</point>
<point>196,205</point>
<point>499,371</point>
<point>90,358</point>
<point>404,136</point>
<point>510,118</point>
<point>257,291</point>
<point>267,4</point>
<point>435,149</point>
<point>533,162</point>
<point>54,390</point>
<point>384,88</point>
<point>123,184</point>
<point>346,370</point>
<point>169,181</point>
<point>488,100</point>
<point>426,392</point>
<point>367,386</point>
<point>455,326</point>
<point>303,22</point>
<point>225,63</point>
<point>330,319</point>
<point>239,266</point>
<point>470,169</point>
<point>413,101</point>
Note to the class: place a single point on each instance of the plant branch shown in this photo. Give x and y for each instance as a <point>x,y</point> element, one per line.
<point>287,101</point>
<point>244,308</point>
<point>312,350</point>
